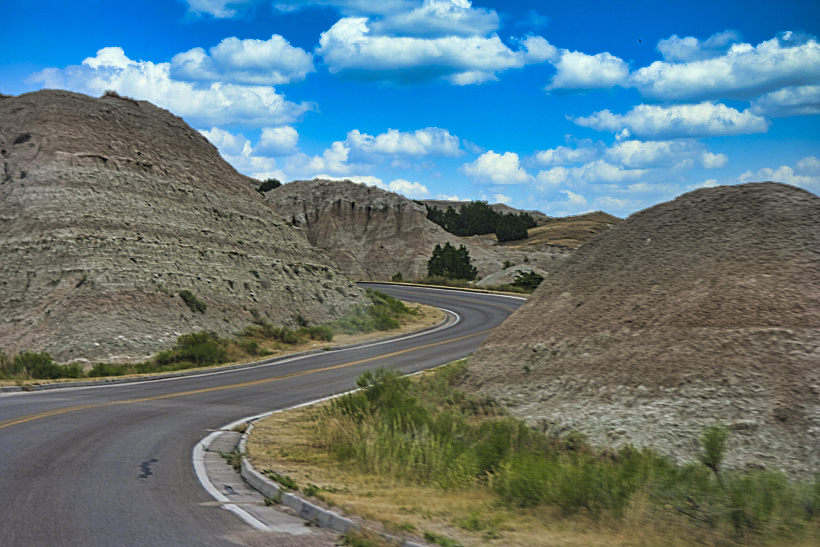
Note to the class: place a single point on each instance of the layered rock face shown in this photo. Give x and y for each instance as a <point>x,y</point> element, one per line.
<point>373,234</point>
<point>704,308</point>
<point>109,207</point>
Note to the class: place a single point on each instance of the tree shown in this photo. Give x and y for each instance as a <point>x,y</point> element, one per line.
<point>268,185</point>
<point>511,227</point>
<point>450,262</point>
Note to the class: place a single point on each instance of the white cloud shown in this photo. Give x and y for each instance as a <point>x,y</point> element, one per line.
<point>216,104</point>
<point>501,198</point>
<point>440,18</point>
<point>677,121</point>
<point>256,62</point>
<point>743,72</point>
<point>711,183</point>
<point>790,101</point>
<point>350,48</point>
<point>409,189</point>
<point>449,198</point>
<point>786,174</point>
<point>400,186</point>
<point>809,166</point>
<point>575,199</point>
<point>601,171</point>
<point>217,8</point>
<point>497,168</point>
<point>713,161</point>
<point>431,141</point>
<point>333,160</point>
<point>565,154</point>
<point>684,50</point>
<point>639,154</point>
<point>277,141</point>
<point>237,151</point>
<point>609,203</point>
<point>578,70</point>
<point>552,177</point>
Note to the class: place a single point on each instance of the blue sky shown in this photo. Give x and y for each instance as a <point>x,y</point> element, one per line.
<point>564,107</point>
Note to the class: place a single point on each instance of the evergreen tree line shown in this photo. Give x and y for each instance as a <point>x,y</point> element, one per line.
<point>478,218</point>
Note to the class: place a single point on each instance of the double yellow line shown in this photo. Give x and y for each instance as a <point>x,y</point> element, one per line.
<point>56,412</point>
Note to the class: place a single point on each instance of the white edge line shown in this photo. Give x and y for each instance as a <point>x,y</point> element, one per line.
<point>202,475</point>
<point>200,447</point>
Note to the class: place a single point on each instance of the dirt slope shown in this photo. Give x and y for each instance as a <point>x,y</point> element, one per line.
<point>108,204</point>
<point>703,308</point>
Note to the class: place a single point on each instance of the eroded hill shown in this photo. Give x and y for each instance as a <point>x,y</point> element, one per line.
<point>109,207</point>
<point>700,309</point>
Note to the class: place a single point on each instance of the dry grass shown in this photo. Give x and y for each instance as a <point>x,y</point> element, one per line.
<point>472,515</point>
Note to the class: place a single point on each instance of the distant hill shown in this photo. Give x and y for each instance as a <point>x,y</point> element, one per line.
<point>700,309</point>
<point>373,234</point>
<point>110,206</point>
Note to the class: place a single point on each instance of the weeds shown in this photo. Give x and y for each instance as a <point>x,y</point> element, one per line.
<point>192,301</point>
<point>233,458</point>
<point>284,480</point>
<point>426,432</point>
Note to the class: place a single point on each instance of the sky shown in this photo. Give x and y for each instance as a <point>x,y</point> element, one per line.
<point>562,107</point>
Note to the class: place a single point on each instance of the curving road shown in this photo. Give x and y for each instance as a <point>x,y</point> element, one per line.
<point>111,465</point>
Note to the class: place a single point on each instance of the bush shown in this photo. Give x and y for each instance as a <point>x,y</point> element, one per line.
<point>203,348</point>
<point>450,262</point>
<point>192,301</point>
<point>106,369</point>
<point>528,281</point>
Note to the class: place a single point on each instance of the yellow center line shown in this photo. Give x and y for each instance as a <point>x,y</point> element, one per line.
<point>56,412</point>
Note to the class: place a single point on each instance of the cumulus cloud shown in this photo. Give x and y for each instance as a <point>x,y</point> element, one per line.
<point>400,186</point>
<point>790,101</point>
<point>217,8</point>
<point>333,160</point>
<point>787,175</point>
<point>602,171</point>
<point>809,166</point>
<point>256,62</point>
<point>688,49</point>
<point>564,154</point>
<point>578,70</point>
<point>439,18</point>
<point>277,141</point>
<point>430,141</point>
<point>349,48</point>
<point>449,198</point>
<point>533,19</point>
<point>677,121</point>
<point>639,154</point>
<point>237,151</point>
<point>551,178</point>
<point>743,72</point>
<point>501,198</point>
<point>211,105</point>
<point>497,169</point>
<point>713,161</point>
<point>575,199</point>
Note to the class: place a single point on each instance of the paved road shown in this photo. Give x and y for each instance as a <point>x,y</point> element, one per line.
<point>111,465</point>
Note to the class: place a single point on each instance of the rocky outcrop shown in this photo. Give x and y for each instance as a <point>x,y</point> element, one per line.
<point>109,207</point>
<point>704,308</point>
<point>373,234</point>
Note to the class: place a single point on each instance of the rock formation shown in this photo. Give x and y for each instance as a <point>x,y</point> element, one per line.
<point>109,207</point>
<point>373,234</point>
<point>700,309</point>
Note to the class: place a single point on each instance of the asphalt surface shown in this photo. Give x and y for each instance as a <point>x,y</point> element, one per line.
<point>111,465</point>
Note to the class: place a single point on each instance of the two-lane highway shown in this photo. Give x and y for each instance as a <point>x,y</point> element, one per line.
<point>111,465</point>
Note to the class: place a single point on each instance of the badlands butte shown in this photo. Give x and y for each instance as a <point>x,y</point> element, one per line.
<point>644,331</point>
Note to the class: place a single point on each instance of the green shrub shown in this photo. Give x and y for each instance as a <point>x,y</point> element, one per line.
<point>321,333</point>
<point>107,369</point>
<point>397,277</point>
<point>528,281</point>
<point>192,301</point>
<point>199,349</point>
<point>267,185</point>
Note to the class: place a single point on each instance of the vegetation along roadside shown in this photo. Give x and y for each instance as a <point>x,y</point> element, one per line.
<point>260,339</point>
<point>419,456</point>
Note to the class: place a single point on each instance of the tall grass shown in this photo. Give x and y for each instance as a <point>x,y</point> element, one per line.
<point>427,432</point>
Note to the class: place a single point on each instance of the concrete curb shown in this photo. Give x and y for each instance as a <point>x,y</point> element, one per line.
<point>183,373</point>
<point>306,510</point>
